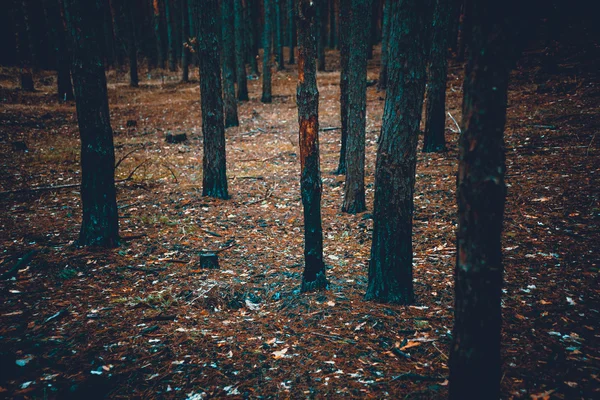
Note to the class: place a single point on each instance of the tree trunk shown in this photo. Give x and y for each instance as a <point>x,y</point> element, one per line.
<point>267,42</point>
<point>475,364</point>
<point>157,31</point>
<point>129,15</point>
<point>385,34</point>
<point>171,37</point>
<point>100,223</point>
<point>464,35</point>
<point>390,268</point>
<point>279,35</point>
<point>57,30</point>
<point>308,119</point>
<point>23,50</point>
<point>344,59</point>
<point>228,61</point>
<point>240,63</point>
<point>435,122</point>
<point>251,25</point>
<point>291,30</point>
<point>332,28</point>
<point>354,190</point>
<point>185,35</point>
<point>321,34</point>
<point>214,183</point>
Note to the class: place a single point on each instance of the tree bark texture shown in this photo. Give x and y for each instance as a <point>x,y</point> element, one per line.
<point>354,189</point>
<point>100,223</point>
<point>23,49</point>
<point>332,28</point>
<point>308,119</point>
<point>171,36</point>
<point>129,14</point>
<point>291,34</point>
<point>185,35</point>
<point>279,35</point>
<point>344,84</point>
<point>475,365</point>
<point>157,31</point>
<point>267,97</point>
<point>214,183</point>
<point>228,62</point>
<point>390,268</point>
<point>63,61</point>
<point>253,36</point>
<point>321,33</point>
<point>435,122</point>
<point>385,34</point>
<point>240,59</point>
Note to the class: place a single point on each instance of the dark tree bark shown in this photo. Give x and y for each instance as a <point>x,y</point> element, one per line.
<point>291,30</point>
<point>129,14</point>
<point>23,49</point>
<point>214,183</point>
<point>332,28</point>
<point>435,122</point>
<point>279,35</point>
<point>267,42</point>
<point>100,222</point>
<point>228,61</point>
<point>321,34</point>
<point>464,35</point>
<point>109,50</point>
<point>240,63</point>
<point>390,268</point>
<point>475,365</point>
<point>63,62</point>
<point>252,28</point>
<point>157,31</point>
<point>344,84</point>
<point>354,190</point>
<point>308,119</point>
<point>185,35</point>
<point>171,36</point>
<point>385,34</point>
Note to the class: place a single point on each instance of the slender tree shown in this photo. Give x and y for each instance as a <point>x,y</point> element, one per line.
<point>291,36</point>
<point>279,35</point>
<point>464,35</point>
<point>308,119</point>
<point>63,62</point>
<point>214,183</point>
<point>344,84</point>
<point>267,41</point>
<point>185,36</point>
<point>228,61</point>
<point>385,34</point>
<point>100,222</point>
<point>434,140</point>
<point>240,63</point>
<point>354,190</point>
<point>332,29</point>
<point>23,49</point>
<point>475,365</point>
<point>130,28</point>
<point>252,28</point>
<point>390,268</point>
<point>156,8</point>
<point>171,37</point>
<point>321,34</point>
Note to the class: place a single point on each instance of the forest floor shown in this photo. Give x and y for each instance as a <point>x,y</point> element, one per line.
<point>144,320</point>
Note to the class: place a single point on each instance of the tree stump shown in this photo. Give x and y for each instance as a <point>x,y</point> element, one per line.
<point>176,138</point>
<point>209,261</point>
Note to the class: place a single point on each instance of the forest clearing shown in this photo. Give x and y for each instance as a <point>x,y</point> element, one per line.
<point>146,318</point>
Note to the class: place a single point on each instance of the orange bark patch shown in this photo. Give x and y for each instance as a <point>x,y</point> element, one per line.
<point>309,131</point>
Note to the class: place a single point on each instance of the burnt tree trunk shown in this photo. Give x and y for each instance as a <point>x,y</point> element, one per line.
<point>279,35</point>
<point>385,34</point>
<point>240,62</point>
<point>321,34</point>
<point>435,122</point>
<point>267,97</point>
<point>291,34</point>
<point>23,49</point>
<point>390,268</point>
<point>157,31</point>
<point>464,34</point>
<point>475,364</point>
<point>100,222</point>
<point>63,59</point>
<point>171,37</point>
<point>344,59</point>
<point>251,25</point>
<point>228,62</point>
<point>307,96</point>
<point>332,28</point>
<point>185,35</point>
<point>354,189</point>
<point>214,182</point>
<point>130,27</point>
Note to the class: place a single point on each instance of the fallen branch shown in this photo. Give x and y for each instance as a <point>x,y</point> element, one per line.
<point>330,128</point>
<point>21,263</point>
<point>124,157</point>
<point>455,123</point>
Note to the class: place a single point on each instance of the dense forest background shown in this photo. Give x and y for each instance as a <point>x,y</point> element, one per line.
<point>294,198</point>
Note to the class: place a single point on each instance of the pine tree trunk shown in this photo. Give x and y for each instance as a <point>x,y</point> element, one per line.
<point>291,30</point>
<point>228,61</point>
<point>308,119</point>
<point>253,35</point>
<point>464,35</point>
<point>475,363</point>
<point>100,222</point>
<point>157,31</point>
<point>130,21</point>
<point>240,63</point>
<point>354,190</point>
<point>171,37</point>
<point>185,35</point>
<point>321,34</point>
<point>434,139</point>
<point>344,84</point>
<point>279,36</point>
<point>332,28</point>
<point>267,42</point>
<point>57,31</point>
<point>390,268</point>
<point>214,183</point>
<point>23,50</point>
<point>385,34</point>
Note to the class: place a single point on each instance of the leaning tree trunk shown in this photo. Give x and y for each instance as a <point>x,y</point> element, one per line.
<point>267,97</point>
<point>344,59</point>
<point>435,122</point>
<point>475,363</point>
<point>291,33</point>
<point>100,222</point>
<point>228,61</point>
<point>385,34</point>
<point>240,62</point>
<point>354,190</point>
<point>308,119</point>
<point>214,182</point>
<point>157,31</point>
<point>390,268</point>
